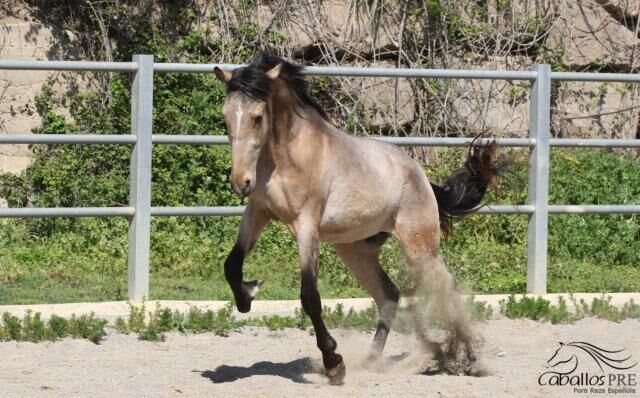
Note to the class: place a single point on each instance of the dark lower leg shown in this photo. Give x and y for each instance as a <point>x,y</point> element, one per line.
<point>312,306</point>
<point>387,306</point>
<point>243,292</point>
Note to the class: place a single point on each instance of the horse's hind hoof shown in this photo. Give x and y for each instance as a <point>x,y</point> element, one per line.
<point>373,362</point>
<point>248,292</point>
<point>336,374</point>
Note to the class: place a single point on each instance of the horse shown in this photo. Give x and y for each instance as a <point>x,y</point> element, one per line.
<point>296,167</point>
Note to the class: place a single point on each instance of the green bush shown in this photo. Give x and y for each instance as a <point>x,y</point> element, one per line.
<point>59,259</point>
<point>32,328</point>
<point>153,325</point>
<point>588,253</point>
<point>537,308</point>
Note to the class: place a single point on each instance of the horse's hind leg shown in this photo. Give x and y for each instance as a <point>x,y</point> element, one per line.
<point>417,229</point>
<point>253,221</point>
<point>362,259</point>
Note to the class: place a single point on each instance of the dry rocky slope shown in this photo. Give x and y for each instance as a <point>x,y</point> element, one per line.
<point>598,35</point>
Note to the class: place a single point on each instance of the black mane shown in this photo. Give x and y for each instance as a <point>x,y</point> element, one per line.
<point>253,81</point>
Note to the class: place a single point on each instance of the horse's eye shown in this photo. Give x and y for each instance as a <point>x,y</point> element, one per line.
<point>257,120</point>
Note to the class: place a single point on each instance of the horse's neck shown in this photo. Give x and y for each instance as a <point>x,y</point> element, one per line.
<point>288,125</point>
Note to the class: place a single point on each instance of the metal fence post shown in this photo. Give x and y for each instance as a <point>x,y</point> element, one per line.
<point>538,195</point>
<point>140,188</point>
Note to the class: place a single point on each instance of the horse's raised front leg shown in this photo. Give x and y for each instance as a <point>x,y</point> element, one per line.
<point>253,221</point>
<point>307,238</point>
<point>362,258</point>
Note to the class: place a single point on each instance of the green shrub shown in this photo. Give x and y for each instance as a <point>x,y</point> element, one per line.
<point>631,310</point>
<point>541,309</point>
<point>58,326</point>
<point>82,259</point>
<point>87,327</point>
<point>479,310</point>
<point>11,327</point>
<point>528,307</point>
<point>32,328</point>
<point>153,325</point>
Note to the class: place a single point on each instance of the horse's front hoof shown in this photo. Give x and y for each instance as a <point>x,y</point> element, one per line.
<point>336,374</point>
<point>249,290</point>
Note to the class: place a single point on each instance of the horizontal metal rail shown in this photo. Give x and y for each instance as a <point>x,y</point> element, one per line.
<point>593,143</point>
<point>486,209</point>
<point>404,141</point>
<point>190,139</point>
<point>197,211</point>
<point>68,139</point>
<point>561,209</point>
<point>321,71</point>
<point>93,139</point>
<point>454,141</point>
<point>596,77</point>
<point>16,212</point>
<point>81,66</point>
<point>594,209</point>
<point>418,73</point>
<point>222,211</point>
<point>239,210</point>
<point>423,141</point>
<point>193,68</point>
<point>506,209</point>
<point>363,71</point>
<point>414,73</point>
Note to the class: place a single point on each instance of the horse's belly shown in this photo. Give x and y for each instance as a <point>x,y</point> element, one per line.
<point>355,219</point>
<point>352,234</point>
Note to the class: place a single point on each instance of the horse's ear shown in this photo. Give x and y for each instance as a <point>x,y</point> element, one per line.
<point>274,72</point>
<point>222,75</point>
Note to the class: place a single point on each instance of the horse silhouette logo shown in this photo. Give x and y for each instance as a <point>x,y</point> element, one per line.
<point>566,359</point>
<point>568,354</point>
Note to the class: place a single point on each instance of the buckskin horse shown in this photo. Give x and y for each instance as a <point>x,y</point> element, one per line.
<point>326,185</point>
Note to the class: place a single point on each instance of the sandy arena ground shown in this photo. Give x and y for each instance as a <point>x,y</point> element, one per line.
<point>258,363</point>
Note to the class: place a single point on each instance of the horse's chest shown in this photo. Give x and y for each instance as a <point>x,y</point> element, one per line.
<point>282,200</point>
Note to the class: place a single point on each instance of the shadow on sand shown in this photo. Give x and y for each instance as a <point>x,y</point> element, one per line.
<point>294,370</point>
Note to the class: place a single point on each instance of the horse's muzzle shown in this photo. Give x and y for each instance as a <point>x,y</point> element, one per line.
<point>243,189</point>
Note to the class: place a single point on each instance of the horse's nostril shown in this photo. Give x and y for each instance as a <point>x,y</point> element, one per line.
<point>245,189</point>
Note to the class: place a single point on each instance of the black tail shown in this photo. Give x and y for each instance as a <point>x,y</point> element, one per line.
<point>462,193</point>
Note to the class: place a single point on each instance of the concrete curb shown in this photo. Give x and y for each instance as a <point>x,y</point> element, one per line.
<point>111,310</point>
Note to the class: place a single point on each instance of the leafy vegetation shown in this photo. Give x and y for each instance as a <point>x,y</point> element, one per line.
<point>32,328</point>
<point>587,253</point>
<point>84,260</point>
<point>156,323</point>
<point>479,310</point>
<point>152,325</point>
<point>66,260</point>
<point>541,309</point>
<point>536,308</point>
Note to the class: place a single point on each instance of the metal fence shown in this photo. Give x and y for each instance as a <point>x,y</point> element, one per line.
<point>140,211</point>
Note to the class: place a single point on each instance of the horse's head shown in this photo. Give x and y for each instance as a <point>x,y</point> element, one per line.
<point>562,355</point>
<point>247,112</point>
